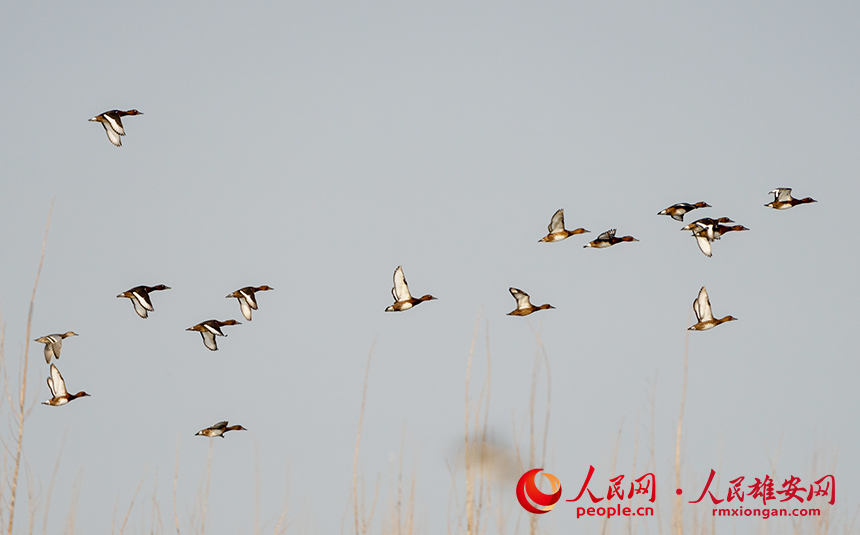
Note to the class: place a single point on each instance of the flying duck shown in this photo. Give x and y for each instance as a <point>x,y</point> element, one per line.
<point>60,396</point>
<point>112,121</point>
<point>139,296</point>
<point>708,225</point>
<point>782,199</point>
<point>704,317</point>
<point>247,300</point>
<point>524,305</point>
<point>209,329</point>
<point>218,430</point>
<point>701,234</point>
<point>557,231</point>
<point>403,300</point>
<point>608,239</point>
<point>677,211</point>
<point>54,344</point>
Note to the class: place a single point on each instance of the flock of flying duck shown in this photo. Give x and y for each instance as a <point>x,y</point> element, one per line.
<point>705,230</point>
<point>139,296</point>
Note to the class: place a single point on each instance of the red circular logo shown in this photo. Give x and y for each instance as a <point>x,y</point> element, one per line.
<point>528,493</point>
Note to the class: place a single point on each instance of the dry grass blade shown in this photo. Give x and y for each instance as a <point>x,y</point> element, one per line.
<point>677,515</point>
<point>358,443</point>
<point>175,483</point>
<point>51,484</point>
<point>22,399</point>
<point>130,505</point>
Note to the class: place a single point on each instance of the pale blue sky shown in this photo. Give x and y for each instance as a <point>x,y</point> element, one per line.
<point>314,148</point>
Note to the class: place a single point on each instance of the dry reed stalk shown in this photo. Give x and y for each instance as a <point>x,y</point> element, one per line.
<point>73,505</point>
<point>278,529</point>
<point>652,459</point>
<point>130,505</point>
<point>539,351</point>
<point>206,492</point>
<point>31,500</point>
<point>257,484</point>
<point>175,483</point>
<point>614,463</point>
<point>476,444</point>
<point>355,453</point>
<point>677,514</point>
<point>51,484</point>
<point>633,472</point>
<point>398,505</point>
<point>21,410</point>
<point>156,508</point>
<point>470,486</point>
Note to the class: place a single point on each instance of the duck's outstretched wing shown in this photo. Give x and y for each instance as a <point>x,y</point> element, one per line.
<point>781,194</point>
<point>702,306</point>
<point>704,244</point>
<point>521,297</point>
<point>112,135</point>
<point>209,340</point>
<point>246,308</point>
<point>556,224</point>
<point>606,236</point>
<point>56,383</point>
<point>401,289</point>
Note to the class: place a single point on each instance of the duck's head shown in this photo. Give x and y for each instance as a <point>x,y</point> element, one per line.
<point>134,112</point>
<point>69,333</point>
<point>264,288</point>
<point>230,322</point>
<point>545,307</point>
<point>427,297</point>
<point>702,204</point>
<point>78,395</point>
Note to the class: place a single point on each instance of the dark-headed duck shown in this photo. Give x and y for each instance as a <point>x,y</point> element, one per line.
<point>716,230</point>
<point>782,199</point>
<point>707,225</point>
<point>403,300</point>
<point>209,329</point>
<point>524,304</point>
<point>218,430</point>
<point>608,239</point>
<point>557,231</point>
<point>112,121</point>
<point>677,211</point>
<point>247,300</point>
<point>60,396</point>
<point>139,296</point>
<point>704,317</point>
